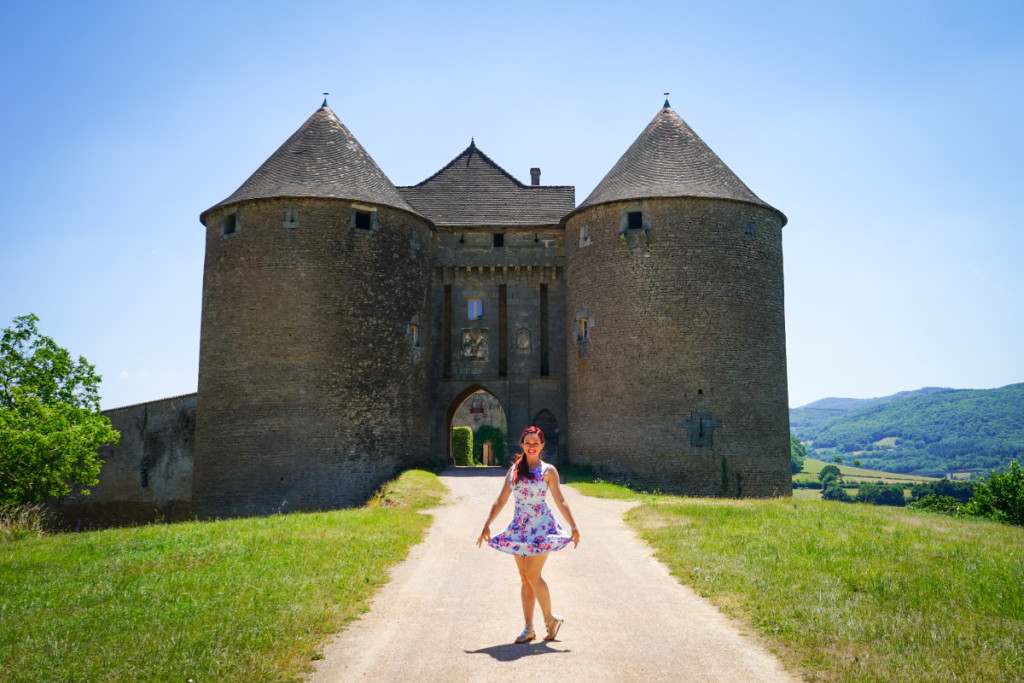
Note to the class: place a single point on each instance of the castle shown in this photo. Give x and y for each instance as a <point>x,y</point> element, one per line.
<point>345,320</point>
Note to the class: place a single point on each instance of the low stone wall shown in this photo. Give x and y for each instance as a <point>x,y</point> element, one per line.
<point>148,476</point>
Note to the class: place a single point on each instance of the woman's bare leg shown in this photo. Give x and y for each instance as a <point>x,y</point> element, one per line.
<point>530,569</point>
<point>526,590</point>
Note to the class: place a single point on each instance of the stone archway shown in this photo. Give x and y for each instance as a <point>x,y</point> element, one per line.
<point>474,407</point>
<point>548,424</point>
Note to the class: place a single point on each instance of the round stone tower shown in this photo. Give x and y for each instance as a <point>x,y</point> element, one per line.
<point>676,328</point>
<point>312,364</point>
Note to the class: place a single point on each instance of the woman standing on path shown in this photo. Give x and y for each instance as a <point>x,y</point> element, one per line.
<point>534,532</point>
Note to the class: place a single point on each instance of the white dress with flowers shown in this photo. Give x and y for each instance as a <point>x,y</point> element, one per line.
<point>534,530</point>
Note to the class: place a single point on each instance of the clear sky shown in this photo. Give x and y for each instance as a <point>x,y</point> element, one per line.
<point>889,132</point>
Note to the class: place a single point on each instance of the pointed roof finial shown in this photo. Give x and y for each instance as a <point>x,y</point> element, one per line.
<point>325,99</point>
<point>667,105</point>
<point>472,142</point>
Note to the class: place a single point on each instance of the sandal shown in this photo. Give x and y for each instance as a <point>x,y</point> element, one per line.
<point>527,635</point>
<point>553,625</point>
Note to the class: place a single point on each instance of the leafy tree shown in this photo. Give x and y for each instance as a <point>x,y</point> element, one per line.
<point>50,421</point>
<point>829,472</point>
<point>797,451</point>
<point>1000,497</point>
<point>856,463</point>
<point>494,436</point>
<point>838,459</point>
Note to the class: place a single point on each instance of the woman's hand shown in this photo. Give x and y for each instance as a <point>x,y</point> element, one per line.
<point>485,535</point>
<point>575,537</point>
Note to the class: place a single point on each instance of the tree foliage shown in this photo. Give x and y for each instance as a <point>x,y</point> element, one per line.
<point>50,422</point>
<point>494,436</point>
<point>1000,497</point>
<point>797,451</point>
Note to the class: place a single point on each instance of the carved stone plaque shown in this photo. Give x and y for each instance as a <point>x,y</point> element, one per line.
<point>474,344</point>
<point>523,344</point>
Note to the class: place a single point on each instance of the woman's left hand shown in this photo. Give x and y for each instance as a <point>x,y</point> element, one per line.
<point>485,535</point>
<point>575,537</point>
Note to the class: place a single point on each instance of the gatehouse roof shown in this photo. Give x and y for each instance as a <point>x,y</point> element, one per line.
<point>669,159</point>
<point>474,191</point>
<point>322,159</point>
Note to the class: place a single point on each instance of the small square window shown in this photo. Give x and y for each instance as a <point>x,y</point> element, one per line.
<point>499,239</point>
<point>474,308</point>
<point>635,220</point>
<point>229,224</point>
<point>363,220</point>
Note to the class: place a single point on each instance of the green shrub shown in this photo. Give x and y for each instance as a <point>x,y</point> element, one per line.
<point>462,445</point>
<point>833,491</point>
<point>496,437</point>
<point>805,484</point>
<point>961,491</point>
<point>947,505</point>
<point>1000,497</point>
<point>880,494</point>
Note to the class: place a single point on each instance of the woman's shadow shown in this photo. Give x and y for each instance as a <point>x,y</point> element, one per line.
<point>509,652</point>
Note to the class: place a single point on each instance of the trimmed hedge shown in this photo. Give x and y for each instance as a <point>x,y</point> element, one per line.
<point>462,445</point>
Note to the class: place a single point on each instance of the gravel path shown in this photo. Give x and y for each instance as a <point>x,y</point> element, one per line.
<point>451,610</point>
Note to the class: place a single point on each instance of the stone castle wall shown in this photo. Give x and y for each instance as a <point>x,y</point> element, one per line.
<point>147,476</point>
<point>679,382</point>
<point>313,381</point>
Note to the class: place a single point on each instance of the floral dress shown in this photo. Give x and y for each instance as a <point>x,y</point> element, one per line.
<point>533,530</point>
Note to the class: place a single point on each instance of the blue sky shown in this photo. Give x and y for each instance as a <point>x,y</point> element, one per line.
<point>888,132</point>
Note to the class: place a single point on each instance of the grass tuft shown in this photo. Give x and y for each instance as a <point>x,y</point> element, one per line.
<point>235,600</point>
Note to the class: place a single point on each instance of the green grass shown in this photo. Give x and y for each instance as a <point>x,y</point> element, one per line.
<point>237,600</point>
<point>853,592</point>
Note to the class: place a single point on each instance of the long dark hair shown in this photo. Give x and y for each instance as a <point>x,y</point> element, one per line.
<point>521,468</point>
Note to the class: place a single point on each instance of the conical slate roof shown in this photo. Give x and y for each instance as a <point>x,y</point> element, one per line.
<point>472,190</point>
<point>669,160</point>
<point>321,159</point>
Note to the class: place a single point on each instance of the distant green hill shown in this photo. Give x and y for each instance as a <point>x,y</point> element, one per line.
<point>951,430</point>
<point>826,410</point>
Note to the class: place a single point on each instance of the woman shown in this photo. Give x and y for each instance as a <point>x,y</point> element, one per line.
<point>534,532</point>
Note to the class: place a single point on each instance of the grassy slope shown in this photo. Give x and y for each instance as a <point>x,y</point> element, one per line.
<point>237,600</point>
<point>850,592</point>
<point>852,474</point>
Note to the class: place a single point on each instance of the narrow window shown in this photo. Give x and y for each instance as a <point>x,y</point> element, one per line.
<point>499,239</point>
<point>545,367</point>
<point>474,308</point>
<point>502,330</point>
<point>635,220</point>
<point>581,329</point>
<point>363,220</point>
<point>584,235</point>
<point>228,224</point>
<point>447,334</point>
<point>748,229</point>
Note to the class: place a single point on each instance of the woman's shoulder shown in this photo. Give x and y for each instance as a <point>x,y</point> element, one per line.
<point>548,467</point>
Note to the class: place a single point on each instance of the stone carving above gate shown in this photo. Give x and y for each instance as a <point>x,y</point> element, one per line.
<point>474,344</point>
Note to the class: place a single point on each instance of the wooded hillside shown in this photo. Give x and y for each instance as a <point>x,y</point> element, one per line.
<point>931,434</point>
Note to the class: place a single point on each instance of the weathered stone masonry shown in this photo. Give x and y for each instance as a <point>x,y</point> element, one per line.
<point>345,320</point>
